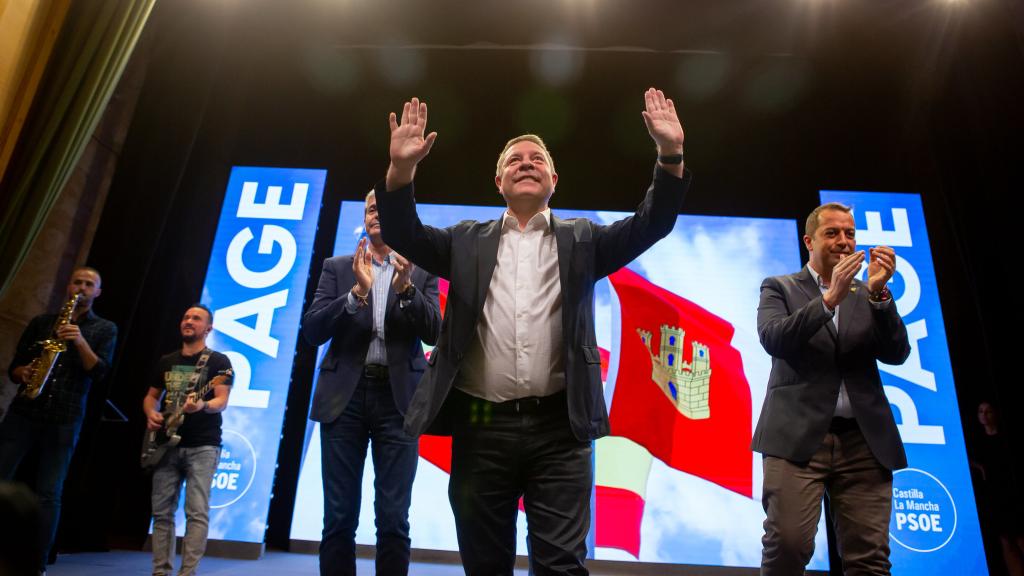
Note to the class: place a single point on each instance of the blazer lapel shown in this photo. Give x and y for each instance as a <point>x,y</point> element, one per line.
<point>564,242</point>
<point>850,307</point>
<point>487,258</point>
<point>392,298</point>
<point>810,289</point>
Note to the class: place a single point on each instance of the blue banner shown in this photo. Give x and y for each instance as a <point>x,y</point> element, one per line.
<point>255,286</point>
<point>934,527</point>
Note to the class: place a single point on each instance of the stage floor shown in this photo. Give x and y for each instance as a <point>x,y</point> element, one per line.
<point>273,563</point>
<point>279,563</point>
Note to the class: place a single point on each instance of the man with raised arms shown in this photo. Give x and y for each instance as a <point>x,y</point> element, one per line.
<point>516,375</point>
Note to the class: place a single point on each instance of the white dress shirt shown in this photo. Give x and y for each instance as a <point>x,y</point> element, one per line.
<point>518,348</point>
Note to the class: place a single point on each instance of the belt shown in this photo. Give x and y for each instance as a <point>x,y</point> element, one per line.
<point>375,371</point>
<point>527,405</point>
<point>840,425</point>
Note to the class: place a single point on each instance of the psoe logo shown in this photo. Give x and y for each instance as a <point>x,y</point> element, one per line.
<point>235,471</point>
<point>923,511</point>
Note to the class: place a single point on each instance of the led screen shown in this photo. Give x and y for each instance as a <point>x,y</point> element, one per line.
<point>685,377</point>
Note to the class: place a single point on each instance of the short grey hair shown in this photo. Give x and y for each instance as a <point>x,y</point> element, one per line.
<point>524,138</point>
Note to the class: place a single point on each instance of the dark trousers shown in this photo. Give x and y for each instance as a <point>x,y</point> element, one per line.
<point>371,415</point>
<point>55,444</point>
<point>860,497</point>
<point>504,451</point>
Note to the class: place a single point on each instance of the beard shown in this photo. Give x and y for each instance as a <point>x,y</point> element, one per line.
<point>191,338</point>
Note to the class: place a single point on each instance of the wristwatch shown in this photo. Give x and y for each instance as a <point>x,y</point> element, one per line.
<point>881,295</point>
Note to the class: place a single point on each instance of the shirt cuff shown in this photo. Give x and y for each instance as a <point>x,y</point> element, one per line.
<point>351,303</point>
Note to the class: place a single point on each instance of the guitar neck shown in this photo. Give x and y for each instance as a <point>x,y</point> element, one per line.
<point>205,388</point>
<point>200,392</point>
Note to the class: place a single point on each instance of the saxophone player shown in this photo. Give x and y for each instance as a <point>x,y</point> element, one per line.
<point>48,424</point>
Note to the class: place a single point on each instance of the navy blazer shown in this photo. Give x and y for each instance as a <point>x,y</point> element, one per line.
<point>404,328</point>
<point>466,254</point>
<point>810,359</point>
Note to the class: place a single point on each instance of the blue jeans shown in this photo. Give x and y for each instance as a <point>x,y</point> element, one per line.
<point>55,444</point>
<point>370,415</point>
<point>196,466</point>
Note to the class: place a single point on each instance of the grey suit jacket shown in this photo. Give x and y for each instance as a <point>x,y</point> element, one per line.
<point>810,359</point>
<point>466,254</point>
<point>404,328</point>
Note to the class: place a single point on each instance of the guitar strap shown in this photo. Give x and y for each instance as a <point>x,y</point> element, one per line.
<point>193,380</point>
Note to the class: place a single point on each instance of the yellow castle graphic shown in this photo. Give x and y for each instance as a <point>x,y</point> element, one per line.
<point>686,384</point>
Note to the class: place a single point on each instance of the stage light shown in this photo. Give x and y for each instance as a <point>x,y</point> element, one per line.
<point>556,64</point>
<point>401,66</point>
<point>331,69</point>
<point>702,75</point>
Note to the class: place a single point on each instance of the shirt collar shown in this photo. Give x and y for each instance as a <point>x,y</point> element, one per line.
<point>539,221</point>
<point>386,262</point>
<point>816,277</point>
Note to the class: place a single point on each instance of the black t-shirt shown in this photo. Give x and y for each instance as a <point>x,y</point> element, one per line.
<point>174,373</point>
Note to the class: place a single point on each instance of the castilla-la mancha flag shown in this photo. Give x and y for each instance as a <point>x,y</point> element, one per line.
<point>680,390</point>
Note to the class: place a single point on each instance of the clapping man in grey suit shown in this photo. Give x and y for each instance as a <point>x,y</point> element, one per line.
<point>826,425</point>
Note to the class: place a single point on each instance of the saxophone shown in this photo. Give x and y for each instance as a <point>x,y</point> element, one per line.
<point>40,369</point>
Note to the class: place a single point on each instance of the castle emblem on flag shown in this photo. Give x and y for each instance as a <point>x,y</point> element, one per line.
<point>686,384</point>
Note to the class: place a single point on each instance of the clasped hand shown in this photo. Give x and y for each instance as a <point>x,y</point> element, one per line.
<point>362,268</point>
<point>880,269</point>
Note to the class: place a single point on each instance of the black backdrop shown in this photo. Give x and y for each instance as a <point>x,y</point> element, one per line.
<point>779,100</point>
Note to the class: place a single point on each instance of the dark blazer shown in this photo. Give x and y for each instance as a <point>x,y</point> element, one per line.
<point>809,360</point>
<point>404,328</point>
<point>466,254</point>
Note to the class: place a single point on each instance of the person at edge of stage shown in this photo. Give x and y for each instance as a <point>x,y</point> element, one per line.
<point>49,424</point>
<point>194,460</point>
<point>826,426</point>
<point>376,309</point>
<point>516,376</point>
<point>995,469</point>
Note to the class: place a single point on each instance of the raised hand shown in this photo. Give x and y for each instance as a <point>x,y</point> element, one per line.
<point>842,278</point>
<point>403,272</point>
<point>662,122</point>
<point>408,144</point>
<point>362,268</point>
<point>881,267</point>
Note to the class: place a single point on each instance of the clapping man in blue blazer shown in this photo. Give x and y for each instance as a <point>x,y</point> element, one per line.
<point>376,308</point>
